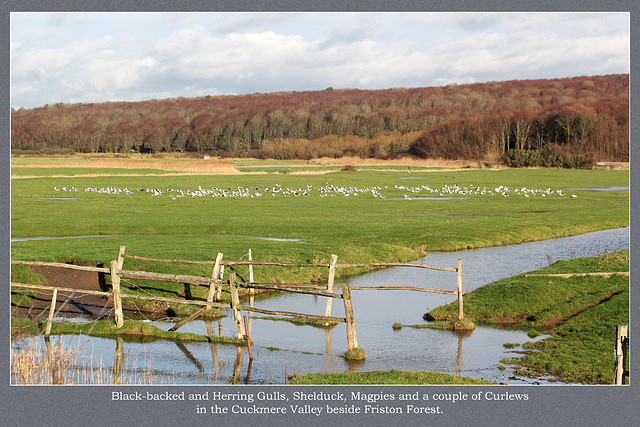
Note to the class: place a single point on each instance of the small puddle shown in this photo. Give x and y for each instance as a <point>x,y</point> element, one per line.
<point>58,198</point>
<point>89,236</point>
<point>608,188</point>
<point>430,198</point>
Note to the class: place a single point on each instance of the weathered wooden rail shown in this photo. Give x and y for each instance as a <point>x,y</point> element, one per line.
<point>219,265</point>
<point>215,284</point>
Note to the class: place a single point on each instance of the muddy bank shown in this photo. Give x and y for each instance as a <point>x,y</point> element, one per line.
<point>73,305</point>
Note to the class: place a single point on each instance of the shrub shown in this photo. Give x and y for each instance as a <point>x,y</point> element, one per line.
<point>586,161</point>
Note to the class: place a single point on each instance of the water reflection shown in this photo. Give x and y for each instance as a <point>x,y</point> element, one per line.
<point>282,348</point>
<point>118,360</point>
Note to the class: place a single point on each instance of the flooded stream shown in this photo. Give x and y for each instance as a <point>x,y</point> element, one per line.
<point>281,348</point>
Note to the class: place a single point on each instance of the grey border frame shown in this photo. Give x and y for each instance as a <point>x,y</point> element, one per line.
<point>562,405</point>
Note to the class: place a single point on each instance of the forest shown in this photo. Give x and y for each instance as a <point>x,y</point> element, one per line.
<point>522,122</point>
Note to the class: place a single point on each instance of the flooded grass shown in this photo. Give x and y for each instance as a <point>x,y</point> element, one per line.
<point>319,323</point>
<point>131,330</point>
<point>384,377</point>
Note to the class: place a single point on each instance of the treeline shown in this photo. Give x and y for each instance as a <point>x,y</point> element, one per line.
<point>581,114</point>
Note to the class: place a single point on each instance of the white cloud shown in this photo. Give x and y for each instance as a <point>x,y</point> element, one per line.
<point>198,54</point>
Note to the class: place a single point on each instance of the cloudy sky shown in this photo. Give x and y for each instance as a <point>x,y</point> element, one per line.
<point>98,57</point>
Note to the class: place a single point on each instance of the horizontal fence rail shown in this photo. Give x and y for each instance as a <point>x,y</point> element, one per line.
<point>62,265</point>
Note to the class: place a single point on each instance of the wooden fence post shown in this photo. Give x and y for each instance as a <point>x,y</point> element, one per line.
<point>117,301</point>
<point>332,275</point>
<point>252,297</point>
<point>121,257</point>
<point>235,303</point>
<point>622,345</point>
<point>460,305</point>
<point>219,290</point>
<point>52,309</point>
<point>251,290</point>
<point>214,276</point>
<point>352,339</point>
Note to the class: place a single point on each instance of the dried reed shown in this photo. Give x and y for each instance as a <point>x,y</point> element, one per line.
<point>403,161</point>
<point>194,166</point>
<point>58,364</point>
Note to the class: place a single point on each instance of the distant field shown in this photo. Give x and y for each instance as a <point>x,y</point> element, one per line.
<point>360,216</point>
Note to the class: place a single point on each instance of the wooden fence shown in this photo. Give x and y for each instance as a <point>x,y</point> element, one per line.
<point>219,264</point>
<point>216,283</point>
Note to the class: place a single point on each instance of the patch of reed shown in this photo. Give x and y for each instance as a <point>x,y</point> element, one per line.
<point>194,166</point>
<point>402,161</point>
<point>58,364</point>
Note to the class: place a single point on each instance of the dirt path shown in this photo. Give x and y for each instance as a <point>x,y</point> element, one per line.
<point>70,304</point>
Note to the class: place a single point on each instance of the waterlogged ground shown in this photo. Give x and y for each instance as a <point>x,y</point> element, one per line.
<point>280,348</point>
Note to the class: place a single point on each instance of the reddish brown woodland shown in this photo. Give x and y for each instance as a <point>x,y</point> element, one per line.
<point>586,115</point>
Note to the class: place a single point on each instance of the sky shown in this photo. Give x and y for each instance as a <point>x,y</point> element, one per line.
<point>90,57</point>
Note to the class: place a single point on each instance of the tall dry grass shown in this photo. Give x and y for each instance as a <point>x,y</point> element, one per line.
<point>403,161</point>
<point>58,364</point>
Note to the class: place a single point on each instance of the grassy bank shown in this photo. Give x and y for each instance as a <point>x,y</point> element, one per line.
<point>384,377</point>
<point>580,312</point>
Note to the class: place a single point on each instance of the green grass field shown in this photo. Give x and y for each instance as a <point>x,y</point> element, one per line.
<point>358,228</point>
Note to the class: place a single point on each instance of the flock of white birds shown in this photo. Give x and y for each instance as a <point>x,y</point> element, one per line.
<point>326,190</point>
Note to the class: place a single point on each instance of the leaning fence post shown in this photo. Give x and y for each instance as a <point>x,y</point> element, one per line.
<point>235,303</point>
<point>121,257</point>
<point>332,275</point>
<point>52,309</point>
<point>460,306</point>
<point>352,339</point>
<point>214,276</point>
<point>219,290</point>
<point>117,301</point>
<point>622,337</point>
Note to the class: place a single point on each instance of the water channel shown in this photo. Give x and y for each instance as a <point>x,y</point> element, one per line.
<point>281,348</point>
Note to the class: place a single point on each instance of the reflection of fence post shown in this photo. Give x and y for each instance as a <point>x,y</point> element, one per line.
<point>52,309</point>
<point>117,301</point>
<point>214,276</point>
<point>117,360</point>
<point>332,275</point>
<point>214,350</point>
<point>237,366</point>
<point>352,339</point>
<point>460,307</point>
<point>235,302</point>
<point>622,345</point>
